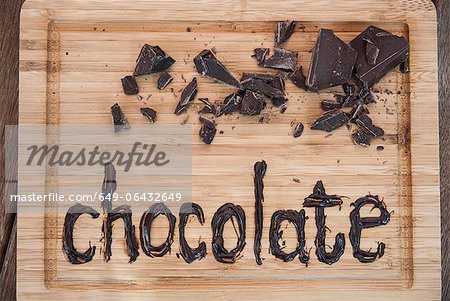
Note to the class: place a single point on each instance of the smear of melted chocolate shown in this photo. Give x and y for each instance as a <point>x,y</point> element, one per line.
<point>319,199</point>
<point>260,170</point>
<point>225,213</point>
<point>359,223</point>
<point>70,252</point>
<point>190,255</point>
<point>298,219</point>
<point>145,226</point>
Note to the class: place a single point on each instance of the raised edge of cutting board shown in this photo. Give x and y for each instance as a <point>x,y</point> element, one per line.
<point>41,24</point>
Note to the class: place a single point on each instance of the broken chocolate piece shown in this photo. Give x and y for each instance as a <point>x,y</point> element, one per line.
<point>331,63</point>
<point>349,89</point>
<point>330,121</point>
<point>260,171</point>
<point>208,130</point>
<point>365,123</point>
<point>282,59</point>
<point>351,101</point>
<point>120,121</point>
<point>361,138</point>
<point>358,111</point>
<point>149,113</point>
<point>259,86</point>
<point>231,104</point>
<point>190,255</point>
<point>299,79</point>
<point>284,31</point>
<point>187,96</point>
<point>279,101</point>
<point>209,108</point>
<point>152,59</point>
<point>367,96</point>
<point>298,131</point>
<point>130,86</point>
<point>404,66</point>
<point>252,103</point>
<point>327,105</point>
<point>164,80</point>
<point>392,51</point>
<point>372,52</point>
<point>340,98</point>
<point>208,65</point>
<point>260,54</point>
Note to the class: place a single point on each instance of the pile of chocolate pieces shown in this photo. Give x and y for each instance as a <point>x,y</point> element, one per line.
<point>364,61</point>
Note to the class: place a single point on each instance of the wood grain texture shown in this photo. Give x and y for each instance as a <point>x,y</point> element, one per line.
<point>8,272</point>
<point>9,35</point>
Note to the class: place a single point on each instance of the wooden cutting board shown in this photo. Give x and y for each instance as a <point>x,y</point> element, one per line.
<point>72,56</point>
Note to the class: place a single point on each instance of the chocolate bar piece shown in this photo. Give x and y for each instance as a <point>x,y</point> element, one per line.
<point>361,138</point>
<point>282,59</point>
<point>327,105</point>
<point>284,31</point>
<point>209,108</point>
<point>365,123</point>
<point>164,80</point>
<point>130,86</point>
<point>120,121</point>
<point>149,113</point>
<point>298,131</point>
<point>299,79</point>
<point>152,59</point>
<point>330,121</point>
<point>259,86</point>
<point>208,130</point>
<point>231,104</point>
<point>252,103</point>
<point>187,96</point>
<point>208,65</point>
<point>332,62</point>
<point>373,64</point>
<point>260,54</point>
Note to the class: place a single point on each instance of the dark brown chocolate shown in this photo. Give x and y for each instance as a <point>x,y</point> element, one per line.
<point>361,138</point>
<point>208,130</point>
<point>209,108</point>
<point>190,255</point>
<point>284,31</point>
<point>331,63</point>
<point>327,105</point>
<point>260,54</point>
<point>298,131</point>
<point>130,86</point>
<point>299,79</point>
<point>164,80</point>
<point>231,104</point>
<point>282,59</point>
<point>258,179</point>
<point>149,113</point>
<point>371,66</point>
<point>187,96</point>
<point>152,59</point>
<point>208,65</point>
<point>252,103</point>
<point>330,121</point>
<point>366,125</point>
<point>120,121</point>
<point>260,86</point>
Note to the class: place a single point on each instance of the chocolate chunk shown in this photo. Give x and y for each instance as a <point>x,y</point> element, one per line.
<point>120,121</point>
<point>298,131</point>
<point>282,59</point>
<point>284,31</point>
<point>164,80</point>
<point>152,59</point>
<point>365,123</point>
<point>187,96</point>
<point>358,111</point>
<point>279,101</point>
<point>392,51</point>
<point>276,81</point>
<point>340,98</point>
<point>207,133</point>
<point>260,54</point>
<point>380,148</point>
<point>330,121</point>
<point>367,96</point>
<point>331,63</point>
<point>209,108</point>
<point>299,79</point>
<point>361,138</point>
<point>372,52</point>
<point>259,86</point>
<point>351,101</point>
<point>130,86</point>
<point>404,66</point>
<point>208,65</point>
<point>252,103</point>
<point>232,103</point>
<point>327,105</point>
<point>149,113</point>
<point>349,89</point>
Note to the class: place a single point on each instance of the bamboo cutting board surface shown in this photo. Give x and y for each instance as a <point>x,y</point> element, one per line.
<point>72,56</point>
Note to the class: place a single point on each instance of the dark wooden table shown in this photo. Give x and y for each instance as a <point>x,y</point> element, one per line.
<point>9,80</point>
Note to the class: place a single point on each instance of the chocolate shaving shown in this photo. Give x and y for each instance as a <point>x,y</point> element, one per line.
<point>299,79</point>
<point>252,103</point>
<point>187,96</point>
<point>208,65</point>
<point>284,31</point>
<point>208,130</point>
<point>152,59</point>
<point>147,219</point>
<point>149,113</point>
<point>130,86</point>
<point>298,131</point>
<point>282,59</point>
<point>260,54</point>
<point>120,121</point>
<point>225,213</point>
<point>330,121</point>
<point>190,255</point>
<point>69,250</point>
<point>359,223</point>
<point>298,219</point>
<point>164,80</point>
<point>260,171</point>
